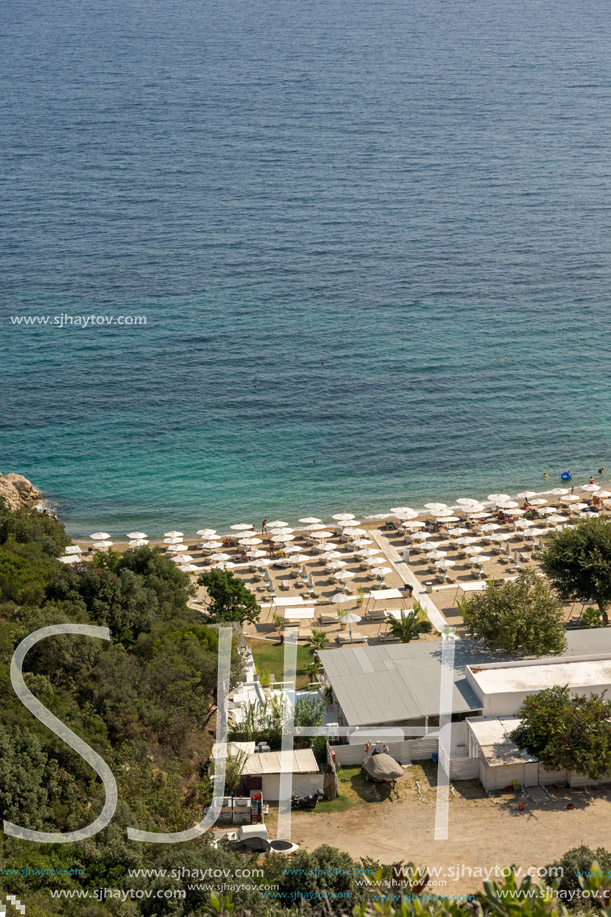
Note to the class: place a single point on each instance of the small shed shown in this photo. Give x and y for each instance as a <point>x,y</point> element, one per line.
<point>501,762</point>
<point>263,770</point>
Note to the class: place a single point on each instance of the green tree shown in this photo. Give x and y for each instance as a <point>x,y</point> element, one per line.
<point>318,640</point>
<point>573,867</point>
<point>409,626</point>
<point>577,560</point>
<point>567,732</point>
<point>28,778</point>
<point>519,616</point>
<point>230,600</point>
<point>323,874</point>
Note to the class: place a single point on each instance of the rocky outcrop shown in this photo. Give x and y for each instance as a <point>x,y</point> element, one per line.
<point>18,492</point>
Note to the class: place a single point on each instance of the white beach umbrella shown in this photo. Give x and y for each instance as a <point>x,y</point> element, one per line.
<point>322,535</point>
<point>177,548</point>
<point>329,546</point>
<point>173,535</point>
<point>547,510</point>
<point>99,536</point>
<point>589,488</point>
<point>349,523</point>
<point>527,494</point>
<point>437,555</point>
<point>474,549</point>
<point>413,524</point>
<point>443,563</point>
<point>211,545</point>
<point>374,561</point>
<point>73,549</point>
<point>258,553</point>
<point>292,549</point>
<point>355,534</point>
<point>281,539</point>
<point>524,523</point>
<point>514,512</point>
<point>536,532</point>
<point>206,533</point>
<point>467,501</point>
<point>482,558</point>
<point>277,524</point>
<point>361,542</point>
<point>490,527</point>
<point>225,565</point>
<point>332,555</point>
<point>403,510</point>
<point>70,559</point>
<point>459,530</point>
<point>498,498</point>
<point>240,527</point>
<point>603,494</point>
<point>311,520</point>
<point>342,517</point>
<point>250,542</point>
<point>182,558</point>
<point>189,568</point>
<point>381,571</point>
<point>344,574</point>
<point>502,536</point>
<point>568,498</point>
<point>559,491</point>
<point>336,564</point>
<point>538,501</point>
<point>556,520</point>
<point>441,511</point>
<point>341,597</point>
<point>264,562</point>
<point>368,552</point>
<point>481,515</point>
<point>138,543</point>
<point>350,617</point>
<point>317,527</point>
<point>434,506</point>
<point>300,558</point>
<point>136,535</point>
<point>466,539</point>
<point>101,545</point>
<point>220,557</point>
<point>508,504</point>
<point>447,520</point>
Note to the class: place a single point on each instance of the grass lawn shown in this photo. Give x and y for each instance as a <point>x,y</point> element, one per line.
<point>269,657</point>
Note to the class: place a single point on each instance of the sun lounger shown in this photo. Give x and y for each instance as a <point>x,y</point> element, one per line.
<point>328,619</point>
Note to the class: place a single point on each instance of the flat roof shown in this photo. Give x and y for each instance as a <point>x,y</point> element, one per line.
<point>392,682</point>
<point>562,671</point>
<point>492,736</point>
<point>299,761</point>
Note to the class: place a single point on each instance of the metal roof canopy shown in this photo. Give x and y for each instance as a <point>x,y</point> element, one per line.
<point>383,594</point>
<point>300,761</point>
<point>299,614</point>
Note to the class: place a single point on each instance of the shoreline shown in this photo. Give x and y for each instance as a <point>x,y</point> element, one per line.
<point>366,521</point>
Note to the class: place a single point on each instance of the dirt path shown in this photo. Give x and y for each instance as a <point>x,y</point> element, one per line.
<point>483,832</point>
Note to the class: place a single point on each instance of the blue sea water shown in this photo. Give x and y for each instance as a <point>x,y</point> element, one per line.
<point>394,218</point>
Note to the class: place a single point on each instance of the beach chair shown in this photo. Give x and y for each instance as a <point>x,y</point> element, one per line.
<point>342,638</point>
<point>357,638</point>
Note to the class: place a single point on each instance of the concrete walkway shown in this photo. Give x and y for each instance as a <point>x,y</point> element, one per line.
<point>408,576</point>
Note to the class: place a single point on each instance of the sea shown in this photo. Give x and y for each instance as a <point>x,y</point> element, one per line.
<point>273,259</point>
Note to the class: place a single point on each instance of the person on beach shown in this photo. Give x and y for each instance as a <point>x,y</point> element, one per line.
<point>591,479</point>
<point>264,526</point>
<point>572,490</point>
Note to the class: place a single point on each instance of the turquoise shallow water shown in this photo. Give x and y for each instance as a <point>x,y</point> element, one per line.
<point>410,194</point>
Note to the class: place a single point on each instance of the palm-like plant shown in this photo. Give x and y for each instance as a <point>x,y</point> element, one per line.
<point>318,640</point>
<point>409,627</point>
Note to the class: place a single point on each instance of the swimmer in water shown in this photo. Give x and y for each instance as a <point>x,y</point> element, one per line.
<point>545,474</point>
